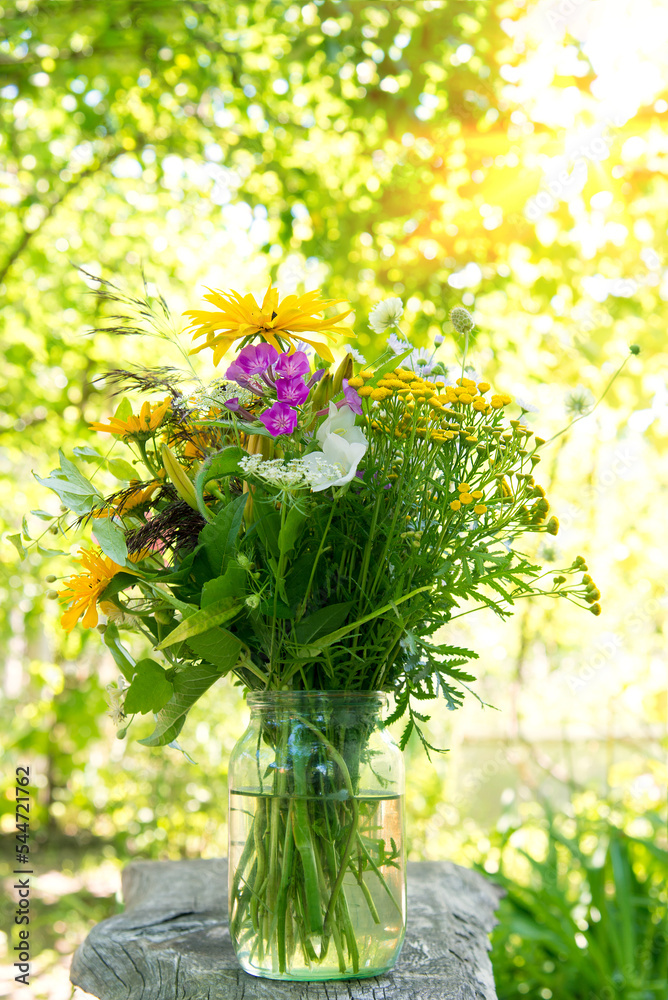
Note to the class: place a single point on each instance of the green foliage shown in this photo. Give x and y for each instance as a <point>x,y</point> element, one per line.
<point>587,915</point>
<point>149,690</point>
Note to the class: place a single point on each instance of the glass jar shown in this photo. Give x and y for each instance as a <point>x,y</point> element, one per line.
<point>317,884</point>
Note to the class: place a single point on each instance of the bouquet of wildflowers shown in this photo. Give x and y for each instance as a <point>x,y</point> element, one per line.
<point>302,524</point>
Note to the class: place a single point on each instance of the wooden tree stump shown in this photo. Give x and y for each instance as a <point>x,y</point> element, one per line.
<point>173,943</point>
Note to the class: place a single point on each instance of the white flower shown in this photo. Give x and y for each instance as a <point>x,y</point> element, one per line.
<point>524,406</point>
<point>359,358</point>
<point>579,401</point>
<point>421,361</point>
<point>289,477</point>
<point>114,693</point>
<point>336,464</point>
<point>343,448</point>
<point>341,422</point>
<point>386,314</point>
<point>284,476</point>
<point>397,345</point>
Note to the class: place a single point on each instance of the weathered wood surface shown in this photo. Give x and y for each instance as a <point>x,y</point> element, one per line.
<point>172,942</point>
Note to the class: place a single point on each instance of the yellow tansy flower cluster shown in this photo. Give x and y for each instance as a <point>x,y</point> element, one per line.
<point>439,401</point>
<point>413,387</point>
<point>468,496</point>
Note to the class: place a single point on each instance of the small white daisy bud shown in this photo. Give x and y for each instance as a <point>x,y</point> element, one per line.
<point>461,320</point>
<point>438,339</point>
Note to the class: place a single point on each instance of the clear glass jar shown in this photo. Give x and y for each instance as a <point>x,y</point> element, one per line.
<point>316,858</point>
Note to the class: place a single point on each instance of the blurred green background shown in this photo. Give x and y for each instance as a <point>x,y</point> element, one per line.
<point>511,157</point>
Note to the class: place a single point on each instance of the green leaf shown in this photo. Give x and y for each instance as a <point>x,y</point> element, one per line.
<point>320,622</point>
<point>224,463</point>
<point>24,528</point>
<point>121,469</point>
<point>43,515</point>
<point>49,552</point>
<point>281,610</point>
<point>111,539</point>
<point>389,366</point>
<point>231,584</point>
<point>202,621</point>
<point>220,535</point>
<point>87,454</point>
<point>16,542</point>
<point>217,646</point>
<point>149,691</point>
<point>121,581</point>
<point>339,634</point>
<point>124,409</point>
<point>122,659</point>
<point>189,685</point>
<point>289,533</point>
<point>268,527</point>
<point>255,428</point>
<point>75,491</point>
<point>175,745</point>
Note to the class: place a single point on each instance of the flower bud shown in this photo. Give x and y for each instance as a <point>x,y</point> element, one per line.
<point>179,477</point>
<point>345,370</point>
<point>461,319</point>
<point>50,578</point>
<point>323,392</point>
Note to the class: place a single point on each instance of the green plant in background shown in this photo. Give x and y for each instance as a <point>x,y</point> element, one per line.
<point>585,915</point>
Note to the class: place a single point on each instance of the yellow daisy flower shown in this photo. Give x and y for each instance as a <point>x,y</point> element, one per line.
<point>150,417</point>
<point>82,591</point>
<point>239,317</point>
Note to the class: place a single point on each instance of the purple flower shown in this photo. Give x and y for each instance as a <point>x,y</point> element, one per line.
<point>352,397</point>
<point>292,390</point>
<point>279,419</point>
<point>292,365</point>
<point>235,407</point>
<point>252,361</point>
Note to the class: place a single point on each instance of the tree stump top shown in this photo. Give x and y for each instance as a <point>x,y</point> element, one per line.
<point>173,943</point>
